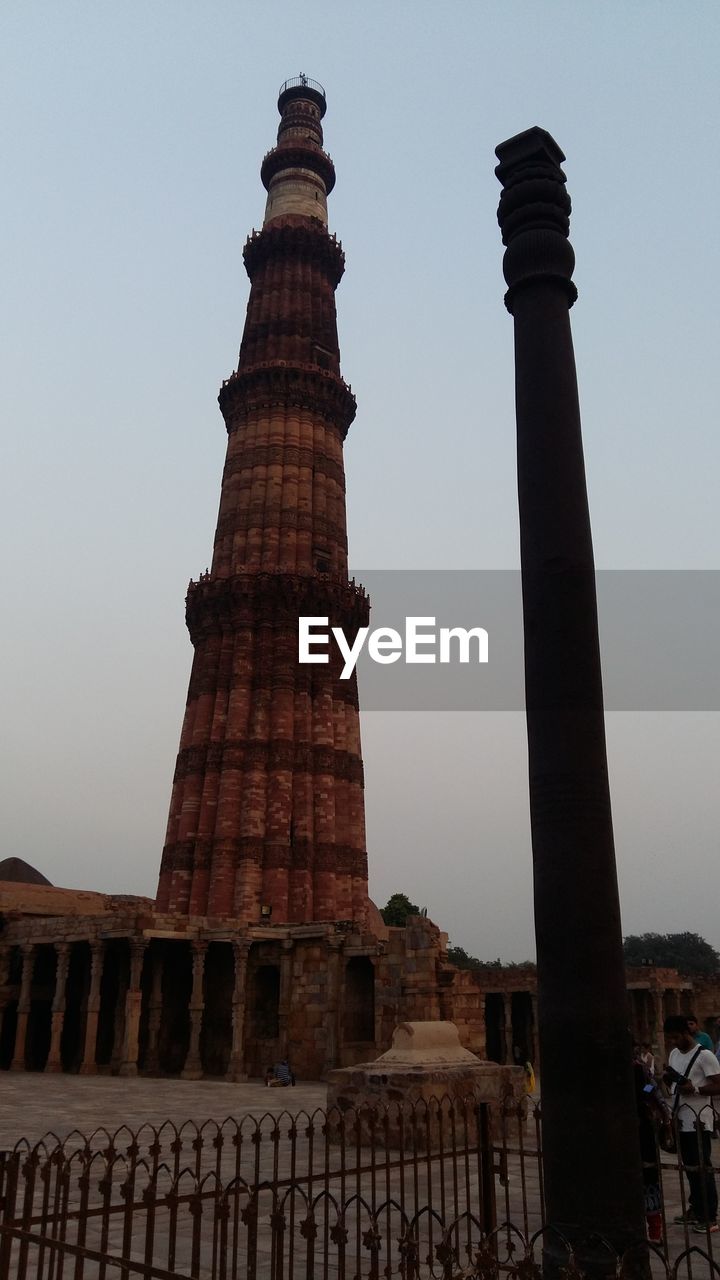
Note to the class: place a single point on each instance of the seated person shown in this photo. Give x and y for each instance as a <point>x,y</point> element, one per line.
<point>279,1076</point>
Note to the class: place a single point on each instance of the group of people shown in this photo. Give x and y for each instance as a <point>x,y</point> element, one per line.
<point>678,1103</point>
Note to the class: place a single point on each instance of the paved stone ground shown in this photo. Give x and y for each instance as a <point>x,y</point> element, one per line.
<point>31,1105</point>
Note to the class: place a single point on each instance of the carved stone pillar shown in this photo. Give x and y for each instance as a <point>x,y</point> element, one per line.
<point>23,1011</point>
<point>286,961</point>
<point>133,1005</point>
<point>642,1016</point>
<point>54,1061</point>
<point>236,1065</point>
<point>155,1007</point>
<point>97,960</point>
<point>5,954</point>
<point>672,1001</point>
<point>535,1035</point>
<point>648,1016</point>
<point>193,1063</point>
<point>332,1008</point>
<point>658,1040</point>
<point>507,1006</point>
<point>118,1041</point>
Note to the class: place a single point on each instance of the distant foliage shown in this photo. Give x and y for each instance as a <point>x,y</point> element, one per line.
<point>687,952</point>
<point>460,958</point>
<point>398,908</point>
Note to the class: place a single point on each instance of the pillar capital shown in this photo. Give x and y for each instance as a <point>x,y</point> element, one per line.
<point>241,949</point>
<point>138,947</point>
<point>534,214</point>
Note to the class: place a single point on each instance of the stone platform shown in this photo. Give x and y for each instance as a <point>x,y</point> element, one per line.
<point>428,1069</point>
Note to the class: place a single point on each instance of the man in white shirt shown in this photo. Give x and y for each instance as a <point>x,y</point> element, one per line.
<point>694,1076</point>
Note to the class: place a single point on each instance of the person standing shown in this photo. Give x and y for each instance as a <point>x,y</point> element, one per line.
<point>700,1037</point>
<point>647,1058</point>
<point>693,1073</point>
<point>652,1112</point>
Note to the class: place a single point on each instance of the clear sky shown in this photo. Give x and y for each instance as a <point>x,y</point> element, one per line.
<point>132,140</point>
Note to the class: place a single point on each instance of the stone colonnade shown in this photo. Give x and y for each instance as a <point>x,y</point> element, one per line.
<point>230,1006</point>
<point>649,1006</point>
<point>511,1026</point>
<point>189,1006</point>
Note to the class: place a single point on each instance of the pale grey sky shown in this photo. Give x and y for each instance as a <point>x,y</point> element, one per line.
<point>132,142</point>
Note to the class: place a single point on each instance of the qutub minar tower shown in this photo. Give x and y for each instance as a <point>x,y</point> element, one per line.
<point>267,816</point>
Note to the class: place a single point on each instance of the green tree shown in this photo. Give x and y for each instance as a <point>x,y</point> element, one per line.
<point>398,908</point>
<point>459,957</point>
<point>687,952</point>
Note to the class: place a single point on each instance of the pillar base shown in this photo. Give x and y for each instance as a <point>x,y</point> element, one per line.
<point>192,1073</point>
<point>53,1068</point>
<point>87,1069</point>
<point>127,1069</point>
<point>17,1066</point>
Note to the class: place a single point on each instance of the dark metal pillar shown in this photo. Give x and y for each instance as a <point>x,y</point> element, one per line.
<point>591,1156</point>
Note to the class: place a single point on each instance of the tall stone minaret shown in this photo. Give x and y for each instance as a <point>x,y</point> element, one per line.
<point>267,802</point>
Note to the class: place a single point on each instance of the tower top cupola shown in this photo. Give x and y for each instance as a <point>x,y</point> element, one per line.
<point>298,174</point>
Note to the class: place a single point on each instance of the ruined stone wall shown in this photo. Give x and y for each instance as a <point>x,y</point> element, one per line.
<point>308,1029</point>
<point>407,978</point>
<point>706,1002</point>
<point>463,1002</point>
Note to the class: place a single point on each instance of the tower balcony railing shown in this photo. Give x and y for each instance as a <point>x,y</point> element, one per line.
<point>303,366</point>
<point>295,144</point>
<point>302,82</point>
<point>246,577</point>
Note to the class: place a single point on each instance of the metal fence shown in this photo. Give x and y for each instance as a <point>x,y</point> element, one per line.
<point>430,1190</point>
